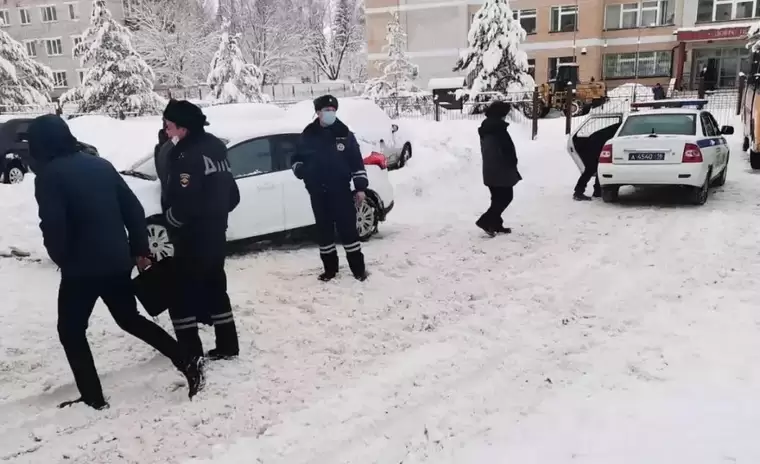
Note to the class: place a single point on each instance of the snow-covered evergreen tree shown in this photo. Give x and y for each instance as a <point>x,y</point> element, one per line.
<point>117,81</point>
<point>493,58</point>
<point>23,80</point>
<point>231,79</point>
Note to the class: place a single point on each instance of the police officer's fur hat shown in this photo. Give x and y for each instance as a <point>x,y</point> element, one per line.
<point>185,114</point>
<point>325,101</point>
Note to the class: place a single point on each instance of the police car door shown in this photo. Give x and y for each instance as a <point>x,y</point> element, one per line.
<point>297,204</point>
<point>591,135</point>
<point>713,146</point>
<point>260,211</point>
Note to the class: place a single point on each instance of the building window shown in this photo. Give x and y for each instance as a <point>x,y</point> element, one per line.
<point>532,67</point>
<point>59,79</point>
<point>73,9</point>
<point>80,73</point>
<point>555,62</point>
<point>527,20</point>
<point>644,14</point>
<point>26,17</point>
<point>727,10</point>
<point>31,48</point>
<point>49,14</point>
<point>564,18</point>
<point>5,18</point>
<point>649,64</point>
<point>75,41</point>
<point>54,47</point>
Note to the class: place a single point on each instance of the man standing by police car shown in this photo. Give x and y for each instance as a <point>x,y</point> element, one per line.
<point>201,192</point>
<point>328,159</point>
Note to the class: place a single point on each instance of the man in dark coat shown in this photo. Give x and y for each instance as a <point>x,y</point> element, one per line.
<point>94,229</point>
<point>658,92</point>
<point>589,153</point>
<point>328,160</point>
<point>200,194</point>
<point>500,172</point>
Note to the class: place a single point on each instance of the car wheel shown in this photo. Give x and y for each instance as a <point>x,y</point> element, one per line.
<point>14,174</point>
<point>367,218</point>
<point>754,159</point>
<point>159,242</point>
<point>610,193</point>
<point>406,154</point>
<point>699,195</point>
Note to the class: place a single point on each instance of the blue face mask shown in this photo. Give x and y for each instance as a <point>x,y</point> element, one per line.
<point>327,117</point>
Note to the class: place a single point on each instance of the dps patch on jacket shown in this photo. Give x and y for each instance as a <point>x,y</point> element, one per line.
<point>184,180</point>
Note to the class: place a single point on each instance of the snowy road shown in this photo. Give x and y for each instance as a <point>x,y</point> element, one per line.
<point>594,334</point>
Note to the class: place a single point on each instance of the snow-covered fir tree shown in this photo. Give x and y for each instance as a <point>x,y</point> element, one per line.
<point>117,81</point>
<point>493,58</point>
<point>24,81</point>
<point>231,79</point>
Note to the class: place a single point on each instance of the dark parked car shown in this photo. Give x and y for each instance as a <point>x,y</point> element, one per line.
<point>14,150</point>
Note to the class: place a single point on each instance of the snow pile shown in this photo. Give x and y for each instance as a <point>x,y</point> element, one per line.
<point>493,55</point>
<point>625,91</point>
<point>24,80</point>
<point>117,80</point>
<point>19,218</point>
<point>242,112</point>
<point>231,79</point>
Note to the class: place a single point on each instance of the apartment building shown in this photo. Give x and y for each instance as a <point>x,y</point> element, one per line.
<point>49,29</point>
<point>614,40</point>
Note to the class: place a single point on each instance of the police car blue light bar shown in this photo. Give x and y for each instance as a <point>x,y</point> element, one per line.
<point>697,103</point>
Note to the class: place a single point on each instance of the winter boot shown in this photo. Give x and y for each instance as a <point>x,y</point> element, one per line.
<point>487,228</point>
<point>503,230</point>
<point>190,342</point>
<point>98,404</point>
<point>356,263</point>
<point>597,193</point>
<point>227,346</point>
<point>196,378</point>
<point>330,262</point>
<point>581,197</point>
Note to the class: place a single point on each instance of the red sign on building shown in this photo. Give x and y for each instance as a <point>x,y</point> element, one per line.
<point>726,33</point>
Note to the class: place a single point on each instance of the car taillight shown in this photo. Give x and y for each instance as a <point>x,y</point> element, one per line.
<point>606,155</point>
<point>376,159</point>
<point>691,154</point>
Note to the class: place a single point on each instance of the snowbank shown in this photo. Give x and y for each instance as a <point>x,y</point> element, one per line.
<point>243,111</point>
<point>120,142</point>
<point>625,91</point>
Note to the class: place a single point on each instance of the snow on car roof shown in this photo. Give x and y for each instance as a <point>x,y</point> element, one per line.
<point>236,132</point>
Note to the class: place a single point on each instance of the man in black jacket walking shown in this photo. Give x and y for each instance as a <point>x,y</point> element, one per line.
<point>328,159</point>
<point>500,173</point>
<point>94,229</point>
<point>200,194</point>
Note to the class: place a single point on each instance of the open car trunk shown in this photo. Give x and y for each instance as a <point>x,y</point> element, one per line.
<point>586,143</point>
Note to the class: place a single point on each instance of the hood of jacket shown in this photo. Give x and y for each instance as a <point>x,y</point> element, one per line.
<point>49,137</point>
<point>492,126</point>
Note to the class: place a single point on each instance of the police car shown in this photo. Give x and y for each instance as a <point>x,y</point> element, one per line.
<point>665,142</point>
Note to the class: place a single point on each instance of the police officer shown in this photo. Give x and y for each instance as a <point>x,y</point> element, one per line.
<point>200,194</point>
<point>328,159</point>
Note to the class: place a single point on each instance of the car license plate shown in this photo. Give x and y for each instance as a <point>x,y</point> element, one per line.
<point>646,156</point>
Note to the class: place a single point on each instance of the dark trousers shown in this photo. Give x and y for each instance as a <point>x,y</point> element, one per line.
<point>588,173</point>
<point>336,210</point>
<point>76,300</point>
<point>501,197</point>
<point>202,297</point>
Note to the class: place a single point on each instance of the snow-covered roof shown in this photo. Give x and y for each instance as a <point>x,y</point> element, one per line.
<point>438,83</point>
<point>236,132</point>
<point>713,26</point>
<point>362,116</point>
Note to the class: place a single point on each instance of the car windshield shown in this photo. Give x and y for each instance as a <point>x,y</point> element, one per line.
<point>669,124</point>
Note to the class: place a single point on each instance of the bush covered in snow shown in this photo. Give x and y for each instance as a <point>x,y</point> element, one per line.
<point>493,58</point>
<point>231,79</point>
<point>24,81</point>
<point>117,81</point>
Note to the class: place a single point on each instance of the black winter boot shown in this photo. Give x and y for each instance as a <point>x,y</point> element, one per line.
<point>227,346</point>
<point>330,262</point>
<point>196,378</point>
<point>190,342</point>
<point>97,404</point>
<point>356,264</point>
<point>581,197</point>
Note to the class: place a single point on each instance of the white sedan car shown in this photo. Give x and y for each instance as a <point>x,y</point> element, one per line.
<point>272,199</point>
<point>671,144</point>
<point>373,128</point>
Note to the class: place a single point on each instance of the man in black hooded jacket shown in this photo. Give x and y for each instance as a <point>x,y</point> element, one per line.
<point>200,193</point>
<point>94,229</point>
<point>500,173</point>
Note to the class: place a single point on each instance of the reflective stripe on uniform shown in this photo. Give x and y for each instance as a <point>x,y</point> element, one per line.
<point>296,165</point>
<point>228,320</point>
<point>352,247</point>
<point>171,219</point>
<point>327,249</point>
<point>360,174</point>
<point>213,166</point>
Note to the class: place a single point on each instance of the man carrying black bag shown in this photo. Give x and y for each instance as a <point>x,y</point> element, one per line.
<point>200,193</point>
<point>94,229</point>
<point>328,159</point>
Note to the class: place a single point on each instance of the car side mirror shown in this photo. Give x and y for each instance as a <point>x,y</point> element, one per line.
<point>727,130</point>
<point>394,128</point>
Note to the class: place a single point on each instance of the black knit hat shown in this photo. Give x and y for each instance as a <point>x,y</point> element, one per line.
<point>498,109</point>
<point>325,101</point>
<point>185,114</point>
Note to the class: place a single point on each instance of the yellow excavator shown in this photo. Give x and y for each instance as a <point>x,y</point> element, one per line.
<point>554,93</point>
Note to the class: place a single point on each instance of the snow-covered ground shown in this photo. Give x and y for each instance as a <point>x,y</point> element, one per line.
<point>594,334</point>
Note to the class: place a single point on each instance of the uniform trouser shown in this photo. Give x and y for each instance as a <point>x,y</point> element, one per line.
<point>336,210</point>
<point>76,300</point>
<point>589,171</point>
<point>202,293</point>
<point>501,197</point>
